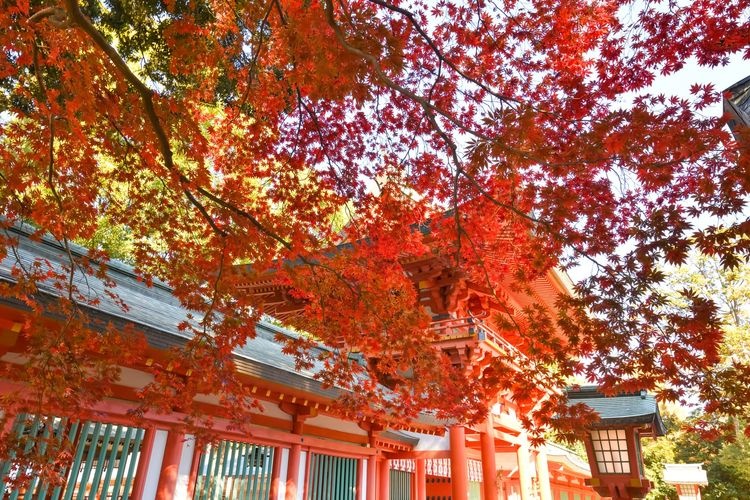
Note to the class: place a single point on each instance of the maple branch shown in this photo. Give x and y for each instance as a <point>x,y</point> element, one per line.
<point>547,225</point>
<point>488,282</point>
<point>51,166</point>
<point>381,74</point>
<point>215,290</point>
<point>323,142</point>
<point>145,94</point>
<point>244,214</point>
<point>439,53</point>
<point>453,148</point>
<point>75,14</point>
<point>282,16</point>
<point>459,228</point>
<point>256,53</point>
<point>56,16</point>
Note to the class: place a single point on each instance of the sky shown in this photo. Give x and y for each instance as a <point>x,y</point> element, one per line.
<point>721,76</point>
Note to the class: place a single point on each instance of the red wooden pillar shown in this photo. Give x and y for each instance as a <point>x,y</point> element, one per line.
<point>384,479</point>
<point>143,461</point>
<point>459,466</point>
<point>170,464</point>
<point>200,447</point>
<point>292,472</point>
<point>372,477</point>
<point>275,472</point>
<point>420,479</point>
<point>489,469</point>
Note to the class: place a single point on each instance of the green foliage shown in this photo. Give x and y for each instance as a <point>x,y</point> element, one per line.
<point>657,452</point>
<point>703,277</point>
<point>727,464</point>
<point>726,458</point>
<point>729,289</point>
<point>115,239</point>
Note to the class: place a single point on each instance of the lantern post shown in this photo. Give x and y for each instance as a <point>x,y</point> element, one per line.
<point>613,444</point>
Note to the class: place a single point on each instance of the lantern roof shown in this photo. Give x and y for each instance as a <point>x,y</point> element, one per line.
<point>621,409</point>
<point>685,474</point>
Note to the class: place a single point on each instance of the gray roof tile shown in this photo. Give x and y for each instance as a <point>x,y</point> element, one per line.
<point>620,409</point>
<point>159,313</point>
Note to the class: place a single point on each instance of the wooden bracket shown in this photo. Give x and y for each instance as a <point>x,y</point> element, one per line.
<point>299,414</point>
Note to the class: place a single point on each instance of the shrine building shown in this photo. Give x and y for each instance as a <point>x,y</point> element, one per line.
<point>297,447</point>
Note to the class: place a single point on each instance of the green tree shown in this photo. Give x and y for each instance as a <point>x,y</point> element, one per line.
<point>704,278</point>
<point>726,456</point>
<point>726,460</point>
<point>657,452</point>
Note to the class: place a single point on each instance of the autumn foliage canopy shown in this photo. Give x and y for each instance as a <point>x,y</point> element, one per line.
<point>323,141</point>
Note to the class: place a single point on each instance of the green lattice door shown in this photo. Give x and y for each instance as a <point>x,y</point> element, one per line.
<point>400,484</point>
<point>332,478</point>
<point>103,464</point>
<point>233,470</point>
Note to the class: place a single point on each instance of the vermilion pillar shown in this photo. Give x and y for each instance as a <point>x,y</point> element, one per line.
<point>524,472</point>
<point>145,458</point>
<point>384,479</point>
<point>489,469</point>
<point>459,466</point>
<point>170,465</point>
<point>275,473</point>
<point>420,479</point>
<point>372,478</point>
<point>292,472</point>
<point>542,473</point>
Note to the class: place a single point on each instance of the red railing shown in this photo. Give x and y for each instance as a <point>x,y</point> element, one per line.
<point>474,327</point>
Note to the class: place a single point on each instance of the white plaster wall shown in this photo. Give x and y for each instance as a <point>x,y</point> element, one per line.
<point>336,424</point>
<point>266,409</point>
<point>183,471</point>
<point>363,480</point>
<point>428,442</point>
<point>134,378</point>
<point>154,464</point>
<point>273,410</point>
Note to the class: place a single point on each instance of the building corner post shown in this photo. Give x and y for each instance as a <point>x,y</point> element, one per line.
<point>459,465</point>
<point>489,467</point>
<point>170,465</point>
<point>542,472</point>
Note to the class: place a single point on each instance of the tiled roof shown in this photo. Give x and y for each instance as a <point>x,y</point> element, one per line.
<point>559,453</point>
<point>157,312</point>
<point>685,474</point>
<point>638,408</point>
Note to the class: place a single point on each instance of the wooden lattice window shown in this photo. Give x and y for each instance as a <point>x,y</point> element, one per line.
<point>611,451</point>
